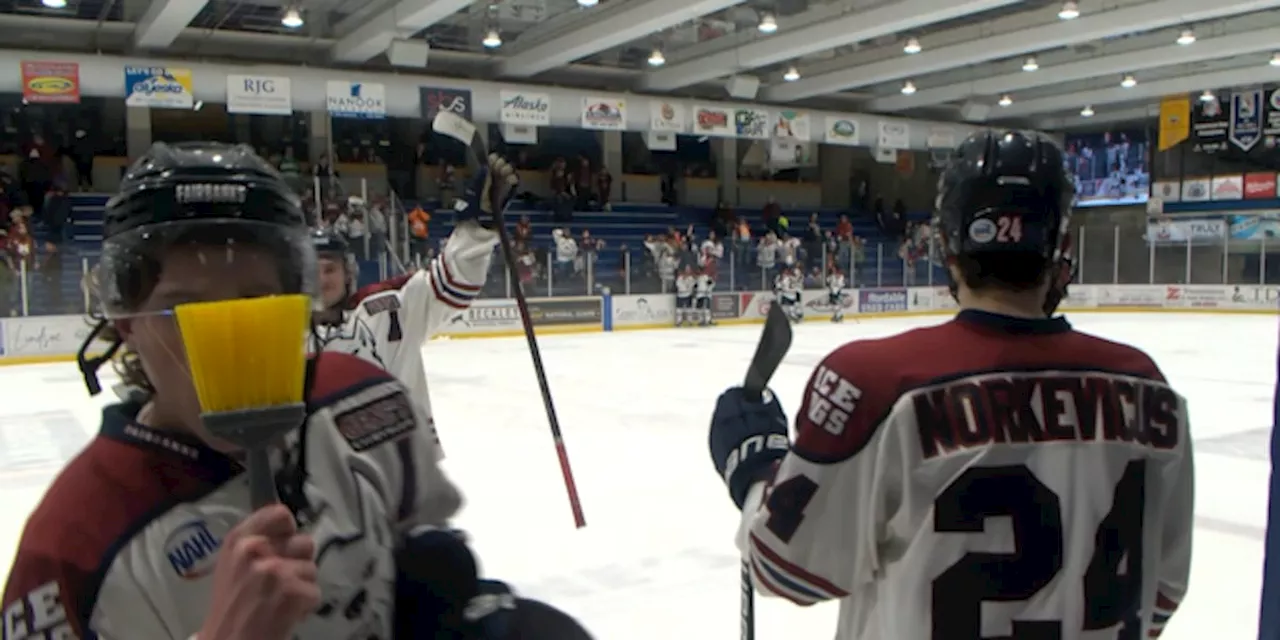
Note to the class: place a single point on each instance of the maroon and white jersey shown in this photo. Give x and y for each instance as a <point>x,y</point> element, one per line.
<point>387,323</point>
<point>123,544</point>
<point>989,477</point>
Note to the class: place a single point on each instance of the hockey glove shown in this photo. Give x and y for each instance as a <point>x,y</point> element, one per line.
<point>747,438</point>
<point>490,189</point>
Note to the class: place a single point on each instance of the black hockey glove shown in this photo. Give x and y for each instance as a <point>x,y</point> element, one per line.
<point>747,438</point>
<point>489,191</point>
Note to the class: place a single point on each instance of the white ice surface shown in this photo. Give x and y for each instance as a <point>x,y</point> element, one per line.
<point>657,558</point>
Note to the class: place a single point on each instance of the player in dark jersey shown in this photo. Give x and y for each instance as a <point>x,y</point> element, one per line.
<point>148,533</point>
<point>997,475</point>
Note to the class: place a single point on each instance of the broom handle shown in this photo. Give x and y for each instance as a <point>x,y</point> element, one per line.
<point>262,481</point>
<point>513,271</point>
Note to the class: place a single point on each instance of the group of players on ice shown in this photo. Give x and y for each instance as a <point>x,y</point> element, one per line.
<point>999,475</point>
<point>694,289</point>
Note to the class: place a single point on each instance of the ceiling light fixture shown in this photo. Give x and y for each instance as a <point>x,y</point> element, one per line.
<point>1069,11</point>
<point>1207,96</point>
<point>912,46</point>
<point>768,23</point>
<point>492,39</point>
<point>55,4</point>
<point>656,59</point>
<point>1030,64</point>
<point>1275,60</point>
<point>292,19</point>
<point>792,74</point>
<point>1186,37</point>
<point>1086,112</point>
<point>1005,100</point>
<point>1129,82</point>
<point>588,3</point>
<point>908,88</point>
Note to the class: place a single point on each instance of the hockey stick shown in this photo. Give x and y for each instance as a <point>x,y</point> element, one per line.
<point>458,128</point>
<point>775,340</point>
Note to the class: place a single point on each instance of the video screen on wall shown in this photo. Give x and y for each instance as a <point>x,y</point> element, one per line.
<point>1110,167</point>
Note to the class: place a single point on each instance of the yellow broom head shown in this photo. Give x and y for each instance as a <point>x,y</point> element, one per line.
<point>248,353</point>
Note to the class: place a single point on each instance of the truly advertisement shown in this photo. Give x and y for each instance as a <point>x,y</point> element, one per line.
<point>562,311</point>
<point>886,300</point>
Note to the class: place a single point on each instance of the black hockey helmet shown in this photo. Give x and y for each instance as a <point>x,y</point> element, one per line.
<point>1005,191</point>
<point>331,245</point>
<point>198,194</point>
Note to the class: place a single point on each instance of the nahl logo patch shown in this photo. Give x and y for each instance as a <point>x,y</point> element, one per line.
<point>191,550</point>
<point>373,423</point>
<point>382,303</point>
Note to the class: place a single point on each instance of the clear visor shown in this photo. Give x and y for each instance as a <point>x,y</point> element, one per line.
<point>156,267</point>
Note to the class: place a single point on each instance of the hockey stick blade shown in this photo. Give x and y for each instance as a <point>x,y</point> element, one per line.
<point>775,341</point>
<point>455,126</point>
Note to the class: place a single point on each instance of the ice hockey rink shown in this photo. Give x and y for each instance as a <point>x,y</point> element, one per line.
<point>656,558</point>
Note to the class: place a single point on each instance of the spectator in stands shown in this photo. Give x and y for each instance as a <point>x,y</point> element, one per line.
<point>376,219</point>
<point>788,250</point>
<point>40,167</point>
<point>558,177</point>
<point>447,181</point>
<point>844,228</point>
<point>604,188</point>
<point>49,271</point>
<point>770,214</point>
<point>813,239</point>
<point>742,244</point>
<point>590,247</point>
<point>328,176</point>
<point>290,168</point>
<point>566,252</point>
<point>767,255</point>
<point>57,211</point>
<point>419,233</point>
<point>582,178</point>
<point>523,233</point>
<point>82,150</point>
<point>527,264</point>
<point>710,254</point>
<point>668,264</point>
<point>723,220</point>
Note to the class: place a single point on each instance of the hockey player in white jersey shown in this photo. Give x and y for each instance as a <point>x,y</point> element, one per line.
<point>835,293</point>
<point>685,284</point>
<point>149,532</point>
<point>786,288</point>
<point>702,289</point>
<point>387,323</point>
<point>1000,475</point>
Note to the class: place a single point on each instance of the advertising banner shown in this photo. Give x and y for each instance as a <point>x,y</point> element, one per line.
<point>1261,296</point>
<point>1260,186</point>
<point>885,300</point>
<point>751,123</point>
<point>793,125</point>
<point>604,114</point>
<point>726,306</point>
<point>1168,231</point>
<point>1196,296</point>
<point>644,310</point>
<point>162,87</point>
<point>49,82</point>
<point>44,335</point>
<point>894,134</point>
<point>818,302</point>
<point>486,316</point>
<point>266,95</point>
<point>433,100</point>
<point>356,100</point>
<point>527,108</point>
<point>665,116</point>
<point>563,311</point>
<point>843,131</point>
<point>1131,296</point>
<point>712,121</point>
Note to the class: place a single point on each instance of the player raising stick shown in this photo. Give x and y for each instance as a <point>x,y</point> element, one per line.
<point>685,284</point>
<point>150,534</point>
<point>702,288</point>
<point>786,287</point>
<point>387,323</point>
<point>1000,475</point>
<point>835,293</point>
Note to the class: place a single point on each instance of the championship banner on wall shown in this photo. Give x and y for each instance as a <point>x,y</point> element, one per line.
<point>433,100</point>
<point>159,87</point>
<point>1175,122</point>
<point>1209,125</point>
<point>49,82</point>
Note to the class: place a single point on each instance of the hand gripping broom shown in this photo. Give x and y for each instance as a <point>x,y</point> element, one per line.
<point>248,360</point>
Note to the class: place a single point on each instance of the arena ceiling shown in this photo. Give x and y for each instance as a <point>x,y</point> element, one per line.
<point>1043,63</point>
